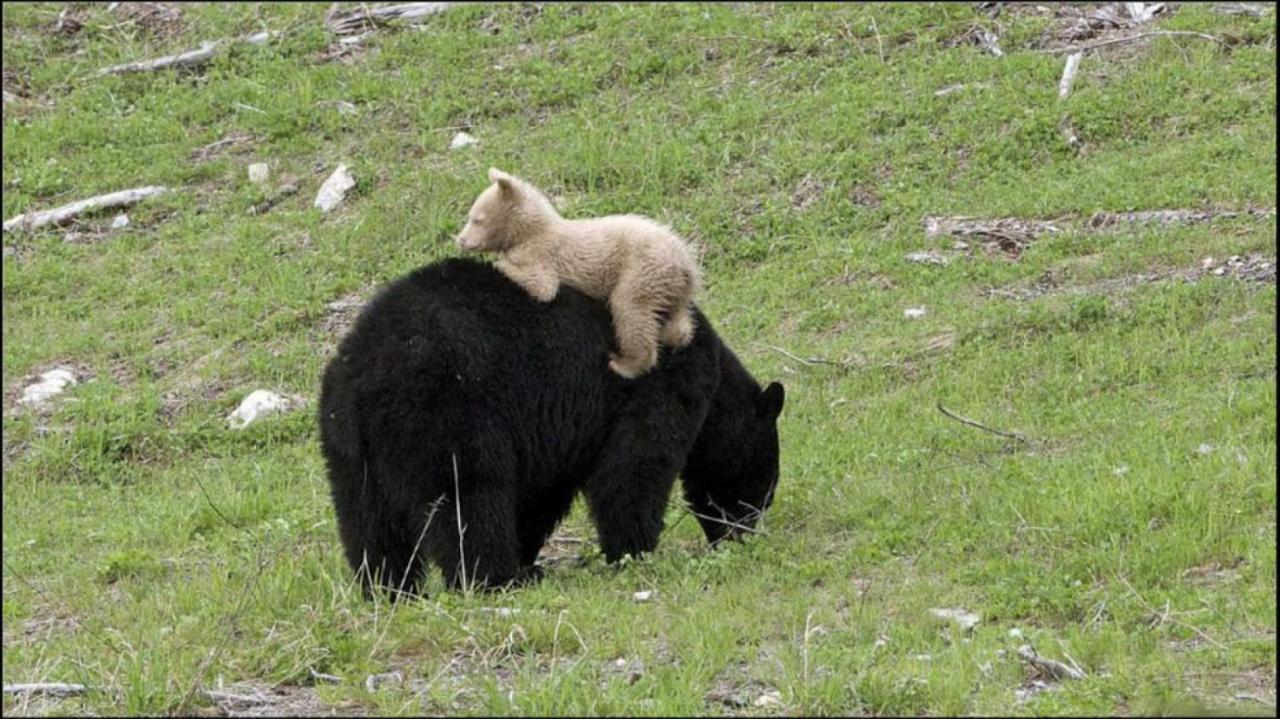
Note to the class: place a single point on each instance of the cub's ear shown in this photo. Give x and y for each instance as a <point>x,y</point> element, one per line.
<point>769,401</point>
<point>500,178</point>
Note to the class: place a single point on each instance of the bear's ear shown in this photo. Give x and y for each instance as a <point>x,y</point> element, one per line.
<point>769,402</point>
<point>501,179</point>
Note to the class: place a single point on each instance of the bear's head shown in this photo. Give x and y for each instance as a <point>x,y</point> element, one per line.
<point>732,471</point>
<point>508,211</point>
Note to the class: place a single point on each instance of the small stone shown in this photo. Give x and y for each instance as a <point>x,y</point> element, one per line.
<point>928,257</point>
<point>376,680</point>
<point>346,108</point>
<point>914,313</point>
<point>643,596</point>
<point>1207,263</point>
<point>259,172</point>
<point>51,383</point>
<point>461,140</point>
<point>1016,633</point>
<point>335,189</point>
<point>768,700</point>
<point>965,619</point>
<point>1121,471</point>
<point>121,221</point>
<point>1205,448</point>
<point>260,403</point>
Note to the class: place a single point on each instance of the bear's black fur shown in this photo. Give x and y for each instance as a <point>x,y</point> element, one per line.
<point>454,383</point>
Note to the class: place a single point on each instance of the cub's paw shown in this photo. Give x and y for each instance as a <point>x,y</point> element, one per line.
<point>623,366</point>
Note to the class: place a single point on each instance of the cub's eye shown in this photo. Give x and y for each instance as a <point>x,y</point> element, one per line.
<point>477,220</point>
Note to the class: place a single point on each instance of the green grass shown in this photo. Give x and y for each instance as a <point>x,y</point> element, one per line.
<point>149,551</point>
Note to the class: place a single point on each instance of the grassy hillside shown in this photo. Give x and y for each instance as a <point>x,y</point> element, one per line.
<point>152,553</point>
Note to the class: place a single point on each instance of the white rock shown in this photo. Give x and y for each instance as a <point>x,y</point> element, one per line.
<point>373,681</point>
<point>1121,470</point>
<point>965,619</point>
<point>259,172</point>
<point>121,220</point>
<point>260,403</point>
<point>51,384</point>
<point>914,313</point>
<point>346,108</point>
<point>1016,633</point>
<point>1205,448</point>
<point>643,596</point>
<point>461,140</point>
<point>768,700</point>
<point>335,189</point>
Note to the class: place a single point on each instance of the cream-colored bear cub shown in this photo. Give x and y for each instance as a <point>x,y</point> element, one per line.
<point>646,272</point>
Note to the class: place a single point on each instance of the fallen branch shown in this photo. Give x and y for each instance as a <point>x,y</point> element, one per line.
<point>978,425</point>
<point>1131,38</point>
<point>811,361</point>
<point>1049,667</point>
<point>241,699</point>
<point>191,58</point>
<point>53,689</point>
<point>1069,74</point>
<point>59,215</point>
<point>1238,9</point>
<point>356,20</point>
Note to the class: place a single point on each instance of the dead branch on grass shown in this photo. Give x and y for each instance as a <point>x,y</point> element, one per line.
<point>60,215</point>
<point>1131,38</point>
<point>191,58</point>
<point>345,23</point>
<point>978,425</point>
<point>1069,74</point>
<point>53,689</point>
<point>1048,667</point>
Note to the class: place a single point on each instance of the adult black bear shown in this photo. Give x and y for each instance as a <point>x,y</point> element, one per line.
<point>453,383</point>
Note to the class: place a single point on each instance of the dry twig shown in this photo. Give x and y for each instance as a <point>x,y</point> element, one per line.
<point>1131,38</point>
<point>53,689</point>
<point>1049,667</point>
<point>978,425</point>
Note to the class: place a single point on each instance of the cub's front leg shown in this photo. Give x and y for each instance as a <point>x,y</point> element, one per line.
<point>538,280</point>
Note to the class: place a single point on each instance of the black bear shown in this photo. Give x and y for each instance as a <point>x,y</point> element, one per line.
<point>458,405</point>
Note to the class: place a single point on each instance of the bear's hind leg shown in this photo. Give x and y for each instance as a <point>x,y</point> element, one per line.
<point>486,552</point>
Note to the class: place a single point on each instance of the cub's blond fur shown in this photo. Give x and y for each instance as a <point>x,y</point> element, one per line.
<point>646,272</point>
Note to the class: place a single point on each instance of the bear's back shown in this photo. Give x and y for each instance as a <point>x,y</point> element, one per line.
<point>455,350</point>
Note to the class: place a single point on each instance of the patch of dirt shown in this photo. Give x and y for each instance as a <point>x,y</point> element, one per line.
<point>262,700</point>
<point>236,142</point>
<point>562,550</point>
<point>70,21</point>
<point>14,86</point>
<point>341,313</point>
<point>809,191</point>
<point>1214,572</point>
<point>864,195</point>
<point>1253,268</point>
<point>162,20</point>
<point>735,691</point>
<point>1011,236</point>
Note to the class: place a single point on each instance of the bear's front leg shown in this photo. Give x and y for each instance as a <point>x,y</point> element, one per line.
<point>538,280</point>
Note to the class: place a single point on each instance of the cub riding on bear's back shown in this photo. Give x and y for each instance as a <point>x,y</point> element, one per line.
<point>458,401</point>
<point>646,272</point>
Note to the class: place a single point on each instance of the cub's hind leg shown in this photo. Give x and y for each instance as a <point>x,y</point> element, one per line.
<point>679,329</point>
<point>637,326</point>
